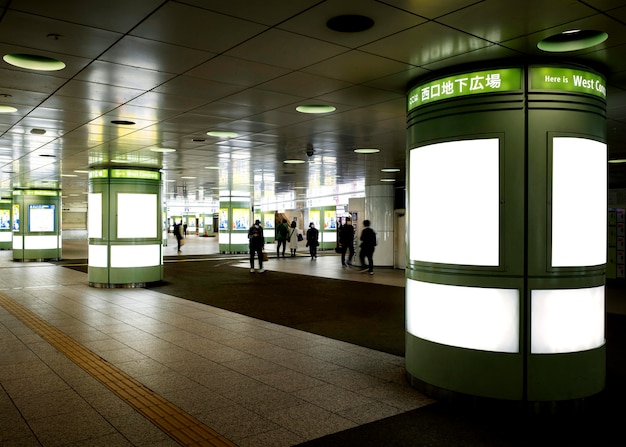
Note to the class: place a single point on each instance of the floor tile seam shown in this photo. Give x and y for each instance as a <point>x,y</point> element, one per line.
<point>172,420</point>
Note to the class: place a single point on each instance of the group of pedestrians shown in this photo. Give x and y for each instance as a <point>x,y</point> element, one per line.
<point>290,235</point>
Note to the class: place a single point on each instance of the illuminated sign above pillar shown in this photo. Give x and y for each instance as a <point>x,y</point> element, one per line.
<point>567,79</point>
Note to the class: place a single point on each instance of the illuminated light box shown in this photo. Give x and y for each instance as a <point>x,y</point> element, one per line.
<point>478,318</point>
<point>454,202</point>
<point>566,320</point>
<point>136,215</point>
<point>239,238</point>
<point>223,237</point>
<point>94,215</point>
<point>41,242</point>
<point>579,202</point>
<point>98,256</point>
<point>125,256</point>
<point>6,236</point>
<point>42,217</point>
<point>18,242</point>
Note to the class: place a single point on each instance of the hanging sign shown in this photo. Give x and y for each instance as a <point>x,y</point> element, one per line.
<point>568,80</point>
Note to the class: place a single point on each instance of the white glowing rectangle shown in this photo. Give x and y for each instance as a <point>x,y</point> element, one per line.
<point>239,238</point>
<point>136,215</point>
<point>485,319</point>
<point>135,255</point>
<point>94,215</point>
<point>223,237</point>
<point>566,320</point>
<point>18,242</point>
<point>6,236</point>
<point>98,256</point>
<point>42,217</point>
<point>579,202</point>
<point>41,242</point>
<point>454,202</point>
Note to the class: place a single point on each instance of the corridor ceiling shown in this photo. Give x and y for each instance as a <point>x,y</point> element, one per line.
<point>180,69</point>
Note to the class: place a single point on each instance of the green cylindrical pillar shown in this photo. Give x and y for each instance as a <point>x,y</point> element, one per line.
<point>125,227</point>
<point>6,233</point>
<point>36,225</point>
<point>506,257</point>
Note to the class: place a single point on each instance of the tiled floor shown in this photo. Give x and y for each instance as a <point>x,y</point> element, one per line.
<point>253,382</point>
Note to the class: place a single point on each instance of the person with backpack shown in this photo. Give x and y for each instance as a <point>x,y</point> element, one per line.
<point>281,237</point>
<point>257,242</point>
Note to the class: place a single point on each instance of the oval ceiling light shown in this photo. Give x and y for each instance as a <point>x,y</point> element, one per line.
<point>7,109</point>
<point>387,179</point>
<point>222,134</point>
<point>367,150</point>
<point>212,167</point>
<point>572,40</point>
<point>163,150</point>
<point>390,170</point>
<point>123,122</point>
<point>33,62</point>
<point>350,23</point>
<point>293,161</point>
<point>38,131</point>
<point>620,160</point>
<point>315,108</point>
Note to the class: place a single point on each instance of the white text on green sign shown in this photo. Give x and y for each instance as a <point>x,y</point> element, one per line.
<point>488,81</point>
<point>567,79</point>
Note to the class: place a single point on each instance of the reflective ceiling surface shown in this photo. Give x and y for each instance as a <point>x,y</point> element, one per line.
<point>179,69</point>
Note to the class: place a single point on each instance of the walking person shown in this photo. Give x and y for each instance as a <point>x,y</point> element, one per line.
<point>346,241</point>
<point>178,234</point>
<point>281,237</point>
<point>312,235</point>
<point>293,238</point>
<point>368,244</point>
<point>256,243</point>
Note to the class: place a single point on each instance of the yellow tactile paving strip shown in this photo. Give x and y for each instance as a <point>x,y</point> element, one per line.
<point>178,424</point>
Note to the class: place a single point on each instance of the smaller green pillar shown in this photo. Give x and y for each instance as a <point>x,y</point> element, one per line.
<point>36,225</point>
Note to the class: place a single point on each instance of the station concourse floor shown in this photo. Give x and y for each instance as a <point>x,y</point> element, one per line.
<point>85,366</point>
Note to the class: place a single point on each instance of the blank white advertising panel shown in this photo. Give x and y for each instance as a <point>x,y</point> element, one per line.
<point>454,202</point>
<point>579,202</point>
<point>136,215</point>
<point>94,215</point>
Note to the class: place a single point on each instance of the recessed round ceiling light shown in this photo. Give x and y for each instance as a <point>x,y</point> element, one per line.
<point>387,179</point>
<point>572,40</point>
<point>211,167</point>
<point>123,122</point>
<point>620,160</point>
<point>366,150</point>
<point>33,62</point>
<point>294,162</point>
<point>163,150</point>
<point>315,108</point>
<point>38,131</point>
<point>188,177</point>
<point>350,23</point>
<point>222,134</point>
<point>7,109</point>
<point>390,170</point>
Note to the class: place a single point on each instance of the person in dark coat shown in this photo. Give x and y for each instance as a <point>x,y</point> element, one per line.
<point>282,232</point>
<point>178,233</point>
<point>312,236</point>
<point>346,241</point>
<point>256,243</point>
<point>368,244</point>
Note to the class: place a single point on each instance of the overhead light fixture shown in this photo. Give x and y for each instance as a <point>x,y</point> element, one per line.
<point>294,161</point>
<point>387,179</point>
<point>33,62</point>
<point>222,134</point>
<point>69,175</point>
<point>7,109</point>
<point>390,170</point>
<point>572,40</point>
<point>48,155</point>
<point>123,122</point>
<point>38,131</point>
<point>618,160</point>
<point>163,150</point>
<point>315,108</point>
<point>188,177</point>
<point>212,167</point>
<point>366,150</point>
<point>350,23</point>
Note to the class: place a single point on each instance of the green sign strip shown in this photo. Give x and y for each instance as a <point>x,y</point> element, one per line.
<point>567,80</point>
<point>478,82</point>
<point>35,192</point>
<point>125,173</point>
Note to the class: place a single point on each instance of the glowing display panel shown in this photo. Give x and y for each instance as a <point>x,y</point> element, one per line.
<point>454,202</point>
<point>137,215</point>
<point>94,215</point>
<point>485,319</point>
<point>579,202</point>
<point>566,320</point>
